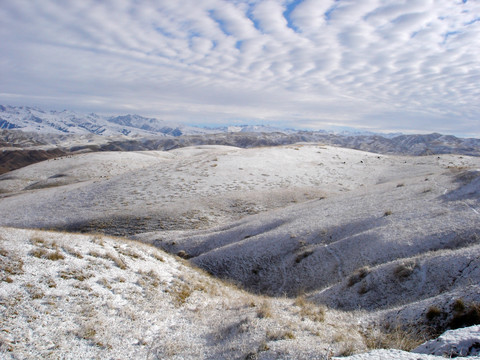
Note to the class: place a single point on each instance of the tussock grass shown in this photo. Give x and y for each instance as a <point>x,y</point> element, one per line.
<point>265,310</point>
<point>70,250</point>
<point>181,293</point>
<point>393,337</point>
<point>276,335</point>
<point>117,260</point>
<point>358,275</point>
<point>157,256</point>
<point>310,310</point>
<point>45,254</point>
<point>109,256</point>
<point>129,252</point>
<point>77,274</point>
<point>403,270</point>
<point>10,264</point>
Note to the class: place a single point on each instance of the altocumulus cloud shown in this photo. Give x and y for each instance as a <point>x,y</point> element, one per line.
<point>408,65</point>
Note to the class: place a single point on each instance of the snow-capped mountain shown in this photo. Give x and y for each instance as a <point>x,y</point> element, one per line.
<point>256,129</point>
<point>68,122</point>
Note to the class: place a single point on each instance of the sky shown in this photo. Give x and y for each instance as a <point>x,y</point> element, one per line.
<point>380,65</point>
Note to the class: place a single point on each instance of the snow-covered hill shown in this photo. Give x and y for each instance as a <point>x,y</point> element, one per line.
<point>73,296</point>
<point>82,297</point>
<point>383,246</point>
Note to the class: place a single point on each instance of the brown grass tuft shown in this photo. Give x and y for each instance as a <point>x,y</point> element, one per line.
<point>264,311</point>
<point>310,310</point>
<point>358,275</point>
<point>396,337</point>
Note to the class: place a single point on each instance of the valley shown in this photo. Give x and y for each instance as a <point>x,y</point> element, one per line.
<point>364,240</point>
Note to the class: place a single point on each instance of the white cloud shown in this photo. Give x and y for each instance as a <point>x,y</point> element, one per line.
<point>375,63</point>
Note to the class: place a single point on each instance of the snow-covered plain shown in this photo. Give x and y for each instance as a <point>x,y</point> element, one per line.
<point>377,239</point>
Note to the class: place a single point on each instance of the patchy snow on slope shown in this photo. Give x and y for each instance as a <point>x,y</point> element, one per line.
<point>391,354</point>
<point>196,187</point>
<point>454,343</point>
<point>89,296</point>
<point>459,344</point>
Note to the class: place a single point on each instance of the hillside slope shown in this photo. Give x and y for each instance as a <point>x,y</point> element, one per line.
<point>72,296</point>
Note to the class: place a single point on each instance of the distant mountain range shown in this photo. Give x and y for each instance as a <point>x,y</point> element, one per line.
<point>24,127</point>
<point>30,119</point>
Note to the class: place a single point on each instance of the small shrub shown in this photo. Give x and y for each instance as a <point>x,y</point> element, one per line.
<point>347,350</point>
<point>363,289</point>
<point>104,282</point>
<point>51,283</point>
<point>129,252</point>
<point>87,332</point>
<point>458,306</point>
<point>433,312</point>
<point>12,265</point>
<point>264,311</point>
<point>404,270</point>
<point>38,252</point>
<point>303,255</point>
<point>56,255</point>
<point>358,275</point>
<point>37,240</point>
<point>183,254</point>
<point>465,315</point>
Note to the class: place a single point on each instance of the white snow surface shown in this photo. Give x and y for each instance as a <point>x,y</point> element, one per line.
<point>454,343</point>
<point>390,354</point>
<point>459,344</point>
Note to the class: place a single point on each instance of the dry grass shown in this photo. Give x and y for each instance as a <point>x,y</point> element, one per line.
<point>395,337</point>
<point>180,293</point>
<point>157,256</point>
<point>149,280</point>
<point>10,264</point>
<point>265,310</point>
<point>72,251</point>
<point>77,274</point>
<point>433,312</point>
<point>404,269</point>
<point>310,310</point>
<point>109,256</point>
<point>276,335</point>
<point>117,260</point>
<point>358,275</point>
<point>129,252</point>
<point>42,253</point>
